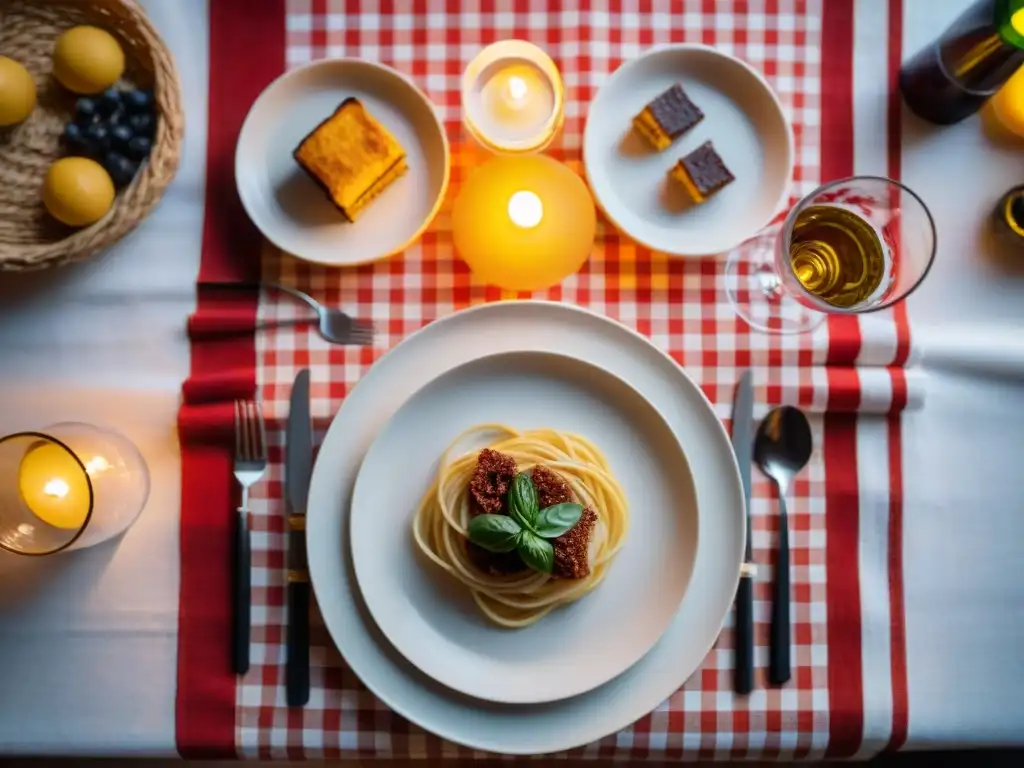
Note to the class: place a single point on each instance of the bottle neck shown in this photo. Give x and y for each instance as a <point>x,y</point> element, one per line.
<point>982,48</point>
<point>1013,210</point>
<point>1009,18</point>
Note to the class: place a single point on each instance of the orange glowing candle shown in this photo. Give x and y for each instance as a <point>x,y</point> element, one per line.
<point>524,223</point>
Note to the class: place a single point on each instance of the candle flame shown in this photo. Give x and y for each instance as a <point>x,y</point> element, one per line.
<point>56,488</point>
<point>517,88</point>
<point>525,209</point>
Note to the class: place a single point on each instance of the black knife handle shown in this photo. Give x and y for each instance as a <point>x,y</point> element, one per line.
<point>242,594</point>
<point>297,669</point>
<point>744,681</point>
<point>778,650</point>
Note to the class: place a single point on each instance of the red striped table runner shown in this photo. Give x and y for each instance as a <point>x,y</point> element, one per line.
<point>805,48</point>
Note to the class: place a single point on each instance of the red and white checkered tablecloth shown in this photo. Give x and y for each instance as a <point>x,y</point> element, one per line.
<point>805,50</point>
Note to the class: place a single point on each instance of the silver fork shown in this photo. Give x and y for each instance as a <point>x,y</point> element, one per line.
<point>335,326</point>
<point>250,465</point>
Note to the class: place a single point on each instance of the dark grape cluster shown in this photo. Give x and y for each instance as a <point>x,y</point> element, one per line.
<point>116,129</point>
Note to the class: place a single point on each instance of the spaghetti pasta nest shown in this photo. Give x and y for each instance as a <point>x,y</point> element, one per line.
<point>520,599</point>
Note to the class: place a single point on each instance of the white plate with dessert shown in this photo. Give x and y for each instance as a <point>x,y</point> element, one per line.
<point>445,345</point>
<point>342,161</point>
<point>688,150</point>
<point>523,529</point>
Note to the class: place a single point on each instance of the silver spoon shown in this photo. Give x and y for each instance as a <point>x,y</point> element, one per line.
<point>781,449</point>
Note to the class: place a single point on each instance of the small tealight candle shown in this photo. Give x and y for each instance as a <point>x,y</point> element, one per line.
<point>524,223</point>
<point>55,486</point>
<point>512,97</point>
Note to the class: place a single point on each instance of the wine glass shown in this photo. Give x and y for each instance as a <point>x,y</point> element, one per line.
<point>854,245</point>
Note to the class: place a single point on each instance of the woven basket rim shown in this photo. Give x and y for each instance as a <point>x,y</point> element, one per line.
<point>134,202</point>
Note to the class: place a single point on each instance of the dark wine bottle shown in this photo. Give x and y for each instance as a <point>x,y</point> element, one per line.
<point>952,77</point>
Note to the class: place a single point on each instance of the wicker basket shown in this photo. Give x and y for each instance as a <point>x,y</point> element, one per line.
<point>29,237</point>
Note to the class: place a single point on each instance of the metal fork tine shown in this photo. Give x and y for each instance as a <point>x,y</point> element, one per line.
<point>249,430</point>
<point>238,430</point>
<point>253,447</point>
<point>263,430</point>
<point>245,430</point>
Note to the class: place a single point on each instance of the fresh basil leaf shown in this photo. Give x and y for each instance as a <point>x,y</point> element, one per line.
<point>555,520</point>
<point>522,500</point>
<point>495,533</point>
<point>536,552</point>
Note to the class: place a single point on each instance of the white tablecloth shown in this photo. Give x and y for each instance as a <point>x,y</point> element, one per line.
<point>88,641</point>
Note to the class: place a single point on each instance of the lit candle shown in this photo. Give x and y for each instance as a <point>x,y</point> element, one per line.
<point>512,97</point>
<point>524,223</point>
<point>54,486</point>
<point>71,487</point>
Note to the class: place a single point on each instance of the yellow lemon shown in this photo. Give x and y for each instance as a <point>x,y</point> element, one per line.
<point>77,191</point>
<point>17,92</point>
<point>87,60</point>
<point>1008,103</point>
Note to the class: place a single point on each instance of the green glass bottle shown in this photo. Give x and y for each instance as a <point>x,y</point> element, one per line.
<point>952,77</point>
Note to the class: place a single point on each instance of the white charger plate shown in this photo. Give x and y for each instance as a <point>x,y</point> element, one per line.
<point>440,346</point>
<point>291,210</point>
<point>742,116</point>
<point>431,618</point>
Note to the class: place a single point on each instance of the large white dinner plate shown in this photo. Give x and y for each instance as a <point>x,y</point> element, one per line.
<point>742,117</point>
<point>288,206</point>
<point>431,618</point>
<point>441,346</point>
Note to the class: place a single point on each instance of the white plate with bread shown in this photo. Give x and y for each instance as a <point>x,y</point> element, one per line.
<point>342,161</point>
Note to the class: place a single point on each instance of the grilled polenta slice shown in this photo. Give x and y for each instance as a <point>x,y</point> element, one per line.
<point>352,157</point>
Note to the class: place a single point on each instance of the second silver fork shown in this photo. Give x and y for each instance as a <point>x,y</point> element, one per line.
<point>250,466</point>
<point>335,326</point>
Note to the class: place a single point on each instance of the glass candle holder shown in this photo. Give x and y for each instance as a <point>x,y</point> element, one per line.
<point>524,223</point>
<point>512,97</point>
<point>68,487</point>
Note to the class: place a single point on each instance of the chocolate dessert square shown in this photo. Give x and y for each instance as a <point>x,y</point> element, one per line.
<point>702,173</point>
<point>667,117</point>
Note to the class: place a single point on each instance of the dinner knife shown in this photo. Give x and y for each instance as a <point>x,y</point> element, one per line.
<point>298,468</point>
<point>743,446</point>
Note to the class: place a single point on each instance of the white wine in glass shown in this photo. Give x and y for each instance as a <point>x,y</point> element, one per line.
<point>852,246</point>
<point>837,256</point>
